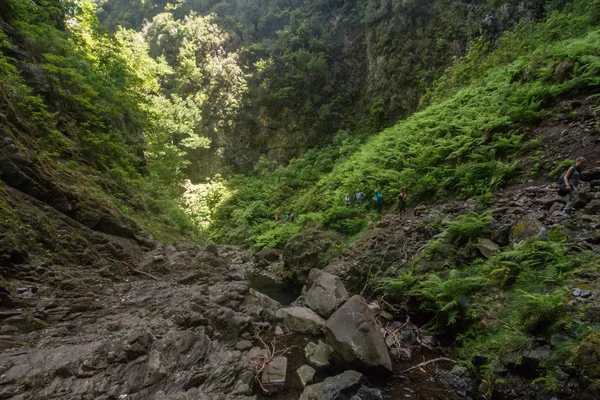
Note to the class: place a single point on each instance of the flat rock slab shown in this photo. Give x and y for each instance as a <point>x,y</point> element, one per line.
<point>301,320</point>
<point>306,374</point>
<point>487,248</point>
<point>356,338</point>
<point>325,293</point>
<point>331,388</point>
<point>273,377</point>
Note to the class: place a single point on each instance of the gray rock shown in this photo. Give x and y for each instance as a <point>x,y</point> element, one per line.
<point>8,329</point>
<point>267,254</point>
<point>557,206</point>
<point>318,354</point>
<point>259,305</point>
<point>487,248</point>
<point>332,387</point>
<point>306,374</point>
<point>593,207</point>
<point>301,320</point>
<point>356,337</point>
<point>366,393</point>
<point>273,377</point>
<point>577,292</point>
<point>243,345</point>
<point>325,292</point>
<point>586,293</point>
<point>278,331</point>
<point>526,228</point>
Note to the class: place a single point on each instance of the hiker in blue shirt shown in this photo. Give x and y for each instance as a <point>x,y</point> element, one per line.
<point>379,200</point>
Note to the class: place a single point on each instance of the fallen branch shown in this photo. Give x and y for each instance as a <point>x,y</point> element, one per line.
<point>425,363</point>
<point>137,271</point>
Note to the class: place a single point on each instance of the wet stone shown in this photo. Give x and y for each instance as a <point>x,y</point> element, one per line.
<point>306,374</point>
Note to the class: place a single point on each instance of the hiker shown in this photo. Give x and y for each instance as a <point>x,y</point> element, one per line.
<point>292,217</point>
<point>277,220</point>
<point>286,218</point>
<point>402,201</point>
<point>568,183</point>
<point>359,196</point>
<point>347,200</point>
<point>379,200</point>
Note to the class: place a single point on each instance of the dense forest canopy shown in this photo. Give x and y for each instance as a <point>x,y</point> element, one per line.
<point>313,68</point>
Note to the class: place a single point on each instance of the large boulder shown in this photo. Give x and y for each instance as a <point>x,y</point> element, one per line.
<point>267,254</point>
<point>301,320</point>
<point>304,252</point>
<point>259,305</point>
<point>325,293</point>
<point>333,387</point>
<point>527,228</point>
<point>356,337</point>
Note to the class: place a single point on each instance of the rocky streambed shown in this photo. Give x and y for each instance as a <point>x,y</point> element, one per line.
<point>203,332</point>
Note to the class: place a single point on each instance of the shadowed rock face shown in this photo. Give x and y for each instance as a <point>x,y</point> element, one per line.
<point>326,292</point>
<point>356,338</point>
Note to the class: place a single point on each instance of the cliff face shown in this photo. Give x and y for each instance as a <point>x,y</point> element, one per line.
<point>314,67</point>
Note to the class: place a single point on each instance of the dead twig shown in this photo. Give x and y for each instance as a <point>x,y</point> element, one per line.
<point>425,363</point>
<point>262,363</point>
<point>137,271</point>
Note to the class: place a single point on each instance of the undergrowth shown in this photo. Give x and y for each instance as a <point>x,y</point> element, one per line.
<point>466,143</point>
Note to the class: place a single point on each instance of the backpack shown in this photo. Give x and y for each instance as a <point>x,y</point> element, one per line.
<point>562,190</point>
<point>379,198</point>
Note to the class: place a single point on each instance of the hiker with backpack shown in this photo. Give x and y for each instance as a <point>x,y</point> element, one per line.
<point>359,196</point>
<point>402,201</point>
<point>567,185</point>
<point>379,201</point>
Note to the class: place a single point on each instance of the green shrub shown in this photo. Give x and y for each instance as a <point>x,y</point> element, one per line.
<point>347,220</point>
<point>468,228</point>
<point>448,298</point>
<point>536,313</point>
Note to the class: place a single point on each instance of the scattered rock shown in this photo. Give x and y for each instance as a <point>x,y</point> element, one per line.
<point>318,355</point>
<point>325,292</point>
<point>356,337</point>
<point>487,248</point>
<point>593,207</point>
<point>526,228</point>
<point>8,329</point>
<point>243,345</point>
<point>306,374</point>
<point>273,377</point>
<point>331,388</point>
<point>366,393</point>
<point>301,320</point>
<point>278,331</point>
